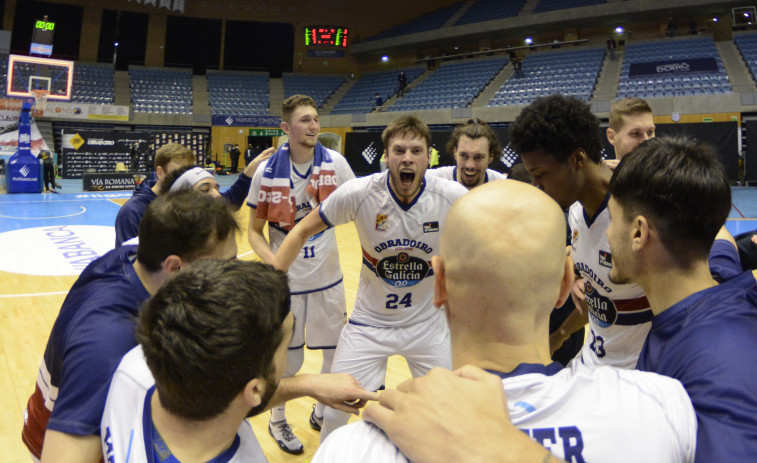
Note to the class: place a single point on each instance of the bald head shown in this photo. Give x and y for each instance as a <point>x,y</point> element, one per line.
<point>503,249</point>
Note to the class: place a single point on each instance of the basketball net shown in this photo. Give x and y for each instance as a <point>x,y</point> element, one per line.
<point>40,100</point>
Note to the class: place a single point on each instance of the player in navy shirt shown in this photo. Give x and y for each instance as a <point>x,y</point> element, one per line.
<point>95,326</point>
<point>669,198</point>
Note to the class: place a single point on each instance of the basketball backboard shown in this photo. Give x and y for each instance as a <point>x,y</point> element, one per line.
<point>28,73</point>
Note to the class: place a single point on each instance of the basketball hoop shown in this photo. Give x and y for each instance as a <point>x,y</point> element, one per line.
<point>40,100</point>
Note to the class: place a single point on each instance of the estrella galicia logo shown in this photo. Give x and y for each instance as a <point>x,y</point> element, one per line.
<point>24,171</point>
<point>601,309</point>
<point>430,227</point>
<point>402,270</point>
<point>605,259</point>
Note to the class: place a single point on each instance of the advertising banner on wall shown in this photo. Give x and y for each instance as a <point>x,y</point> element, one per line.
<point>86,111</point>
<point>99,151</point>
<point>249,121</point>
<point>67,110</point>
<point>680,66</point>
<point>113,181</point>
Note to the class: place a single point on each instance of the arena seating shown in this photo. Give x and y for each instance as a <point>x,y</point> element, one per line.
<point>162,91</point>
<point>553,5</point>
<point>93,84</point>
<point>702,83</point>
<point>427,22</point>
<point>747,44</point>
<point>572,73</point>
<point>238,94</point>
<point>361,98</point>
<point>488,10</point>
<point>453,85</point>
<point>320,88</point>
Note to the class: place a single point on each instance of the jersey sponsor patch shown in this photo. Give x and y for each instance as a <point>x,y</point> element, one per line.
<point>381,222</point>
<point>601,308</point>
<point>430,227</point>
<point>574,239</point>
<point>402,270</point>
<point>605,259</point>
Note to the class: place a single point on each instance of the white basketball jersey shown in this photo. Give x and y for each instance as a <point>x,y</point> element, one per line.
<point>619,314</point>
<point>396,280</point>
<point>450,173</point>
<point>317,265</point>
<point>124,419</point>
<point>580,414</point>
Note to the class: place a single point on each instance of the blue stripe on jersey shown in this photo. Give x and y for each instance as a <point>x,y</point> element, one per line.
<point>131,442</point>
<point>405,207</point>
<point>324,288</point>
<point>153,437</point>
<point>603,206</point>
<point>634,318</point>
<point>527,368</point>
<point>325,220</point>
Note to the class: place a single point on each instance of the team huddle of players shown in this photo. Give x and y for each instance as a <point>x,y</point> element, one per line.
<point>162,348</point>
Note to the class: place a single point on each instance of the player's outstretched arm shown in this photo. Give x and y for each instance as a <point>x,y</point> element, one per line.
<point>336,390</point>
<point>257,241</point>
<point>255,163</point>
<point>296,238</point>
<point>68,448</point>
<point>427,426</point>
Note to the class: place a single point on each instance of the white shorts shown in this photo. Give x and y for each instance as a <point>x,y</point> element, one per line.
<point>322,314</point>
<point>363,350</point>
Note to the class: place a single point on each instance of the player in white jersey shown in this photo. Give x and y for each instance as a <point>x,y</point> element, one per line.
<point>473,145</point>
<point>213,351</point>
<point>501,269</point>
<point>129,434</point>
<point>558,139</point>
<point>619,314</point>
<point>636,416</point>
<point>398,215</point>
<point>300,175</point>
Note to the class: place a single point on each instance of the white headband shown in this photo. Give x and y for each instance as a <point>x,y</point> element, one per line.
<point>189,178</point>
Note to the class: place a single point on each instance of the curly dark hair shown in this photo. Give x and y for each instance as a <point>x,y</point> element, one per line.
<point>558,125</point>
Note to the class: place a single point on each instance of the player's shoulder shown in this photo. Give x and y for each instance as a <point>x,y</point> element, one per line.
<point>448,188</point>
<point>628,383</point>
<point>442,172</point>
<point>495,175</point>
<point>133,369</point>
<point>359,441</point>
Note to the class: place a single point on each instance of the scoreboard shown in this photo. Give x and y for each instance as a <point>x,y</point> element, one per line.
<point>334,36</point>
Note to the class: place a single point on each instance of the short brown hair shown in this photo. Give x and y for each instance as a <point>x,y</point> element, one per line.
<point>627,107</point>
<point>473,129</point>
<point>294,102</point>
<point>406,125</point>
<point>182,224</point>
<point>171,152</point>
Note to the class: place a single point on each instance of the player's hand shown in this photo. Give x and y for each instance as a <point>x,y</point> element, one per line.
<point>255,163</point>
<point>446,416</point>
<point>578,293</point>
<point>612,163</point>
<point>340,391</point>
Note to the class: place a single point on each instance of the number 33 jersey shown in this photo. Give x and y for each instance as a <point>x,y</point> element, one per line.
<point>619,314</point>
<point>397,241</point>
